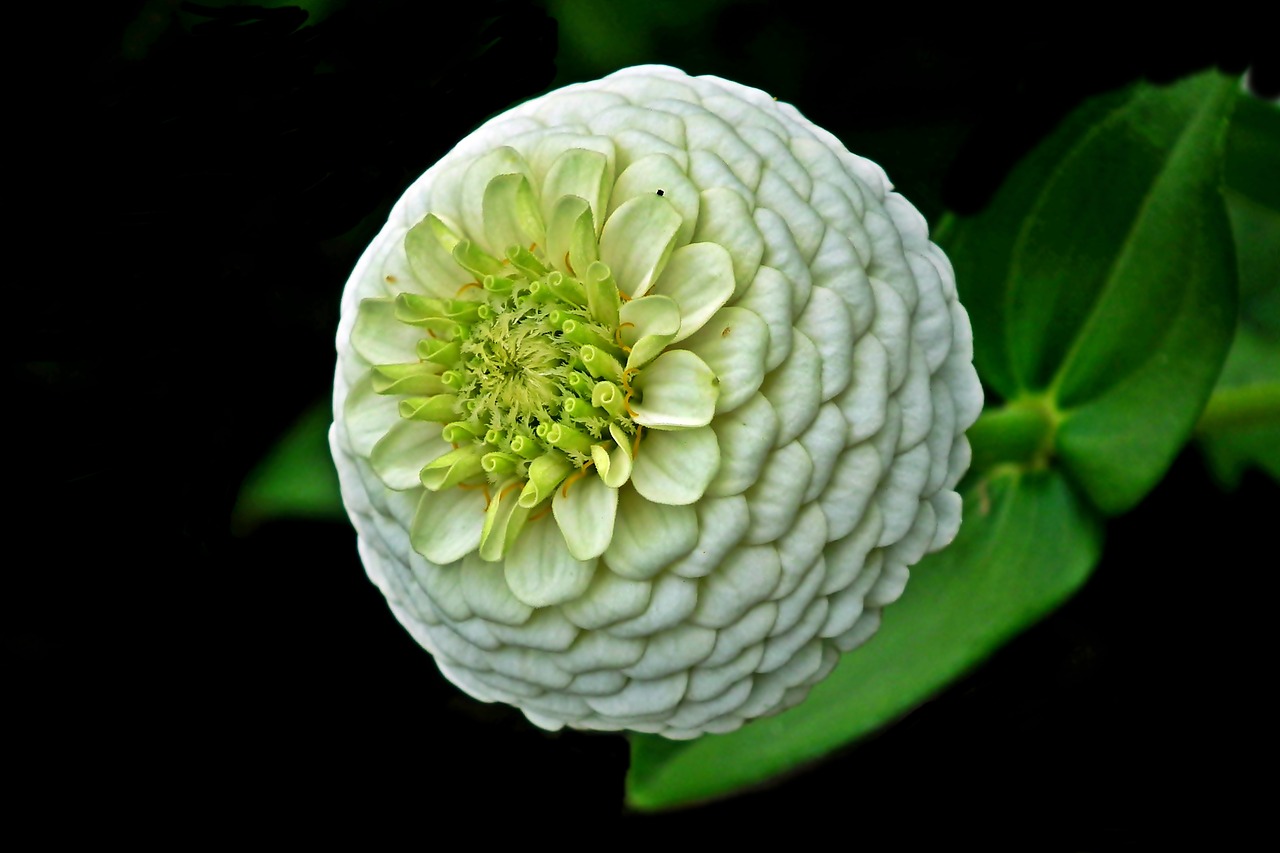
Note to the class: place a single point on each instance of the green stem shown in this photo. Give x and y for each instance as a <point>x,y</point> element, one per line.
<point>1240,408</point>
<point>1022,433</point>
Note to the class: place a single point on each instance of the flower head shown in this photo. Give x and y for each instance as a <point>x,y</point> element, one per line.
<point>648,395</point>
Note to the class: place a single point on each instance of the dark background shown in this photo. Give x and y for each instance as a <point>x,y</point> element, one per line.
<point>194,184</point>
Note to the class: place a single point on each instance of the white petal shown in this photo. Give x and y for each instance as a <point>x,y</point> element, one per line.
<point>648,536</point>
<point>733,344</point>
<point>485,591</point>
<point>863,403</point>
<point>656,172</point>
<point>643,697</point>
<point>748,576</point>
<point>746,437</point>
<point>916,401</point>
<point>368,415</point>
<point>823,440</point>
<point>585,515</point>
<point>774,500</point>
<point>541,571</point>
<point>699,277</point>
<point>447,525</point>
<point>827,323</point>
<point>899,495</point>
<point>673,600</point>
<point>675,467</point>
<point>794,389</point>
<point>679,391</point>
<point>610,598</point>
<point>769,296</point>
<point>637,240</point>
<point>853,482</point>
<point>380,338</point>
<point>722,523</point>
<point>400,454</point>
<point>725,220</point>
<point>647,325</point>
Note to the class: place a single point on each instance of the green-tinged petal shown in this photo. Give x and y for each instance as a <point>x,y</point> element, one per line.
<point>648,536</point>
<point>447,525</point>
<point>500,161</point>
<point>504,520</point>
<point>679,391</point>
<point>637,240</point>
<point>379,337</point>
<point>699,277</point>
<point>476,260</point>
<point>541,572</point>
<point>456,466</point>
<point>602,295</point>
<point>571,238</point>
<point>648,324</point>
<point>675,467</point>
<point>659,173</point>
<point>545,473</point>
<point>582,173</point>
<point>733,344</point>
<point>511,216</point>
<point>600,364</point>
<point>610,398</point>
<point>400,454</point>
<point>431,258</point>
<point>585,512</point>
<point>614,466</point>
<point>413,378</point>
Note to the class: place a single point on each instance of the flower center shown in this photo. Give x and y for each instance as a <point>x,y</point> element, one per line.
<point>524,370</point>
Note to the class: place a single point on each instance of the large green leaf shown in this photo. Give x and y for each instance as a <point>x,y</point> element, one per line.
<point>1102,281</point>
<point>1240,428</point>
<point>296,479</point>
<point>1027,542</point>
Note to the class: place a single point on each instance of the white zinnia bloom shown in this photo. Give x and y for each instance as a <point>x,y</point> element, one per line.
<point>648,395</point>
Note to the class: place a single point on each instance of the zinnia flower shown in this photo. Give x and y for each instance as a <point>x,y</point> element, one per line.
<point>648,395</point>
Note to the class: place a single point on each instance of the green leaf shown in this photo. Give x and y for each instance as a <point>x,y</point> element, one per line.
<point>1102,281</point>
<point>996,579</point>
<point>1240,428</point>
<point>296,479</point>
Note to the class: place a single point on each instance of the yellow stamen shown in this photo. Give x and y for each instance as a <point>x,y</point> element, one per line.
<point>574,478</point>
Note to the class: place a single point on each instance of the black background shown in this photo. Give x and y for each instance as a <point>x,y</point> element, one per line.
<point>192,190</point>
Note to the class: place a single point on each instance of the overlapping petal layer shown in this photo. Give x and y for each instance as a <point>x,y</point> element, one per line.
<point>797,380</point>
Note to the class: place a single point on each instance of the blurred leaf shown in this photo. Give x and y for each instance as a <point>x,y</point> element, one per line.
<point>1240,428</point>
<point>296,479</point>
<point>1102,281</point>
<point>1026,544</point>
